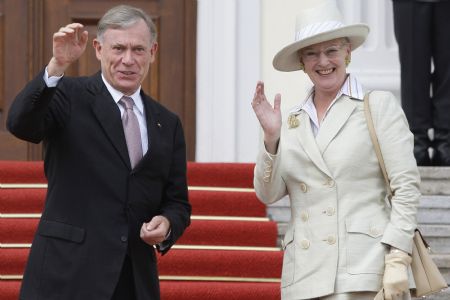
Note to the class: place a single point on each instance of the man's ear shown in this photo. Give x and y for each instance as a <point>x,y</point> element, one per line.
<point>98,48</point>
<point>153,51</point>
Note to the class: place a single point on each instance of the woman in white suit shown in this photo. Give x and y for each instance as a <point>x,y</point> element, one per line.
<point>344,241</point>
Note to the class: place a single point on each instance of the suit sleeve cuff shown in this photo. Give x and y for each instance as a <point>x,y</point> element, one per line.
<point>397,238</point>
<point>165,245</point>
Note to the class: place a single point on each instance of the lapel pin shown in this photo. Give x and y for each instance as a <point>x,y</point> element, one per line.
<point>293,121</point>
<point>158,124</point>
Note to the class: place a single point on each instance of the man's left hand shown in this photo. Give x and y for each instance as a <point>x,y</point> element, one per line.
<point>155,231</point>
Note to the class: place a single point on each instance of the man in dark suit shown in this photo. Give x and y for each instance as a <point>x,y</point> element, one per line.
<point>109,203</point>
<point>421,30</point>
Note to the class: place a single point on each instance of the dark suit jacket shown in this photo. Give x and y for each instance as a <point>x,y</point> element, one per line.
<point>95,203</point>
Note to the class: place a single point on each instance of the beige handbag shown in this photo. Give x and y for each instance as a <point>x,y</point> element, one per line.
<point>426,274</point>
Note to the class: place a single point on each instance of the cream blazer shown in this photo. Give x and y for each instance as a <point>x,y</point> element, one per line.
<point>340,222</point>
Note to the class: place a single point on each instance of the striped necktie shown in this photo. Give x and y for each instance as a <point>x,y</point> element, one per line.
<point>132,132</point>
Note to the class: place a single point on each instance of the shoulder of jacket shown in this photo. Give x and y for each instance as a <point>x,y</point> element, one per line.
<point>380,99</point>
<point>381,95</point>
<point>160,109</point>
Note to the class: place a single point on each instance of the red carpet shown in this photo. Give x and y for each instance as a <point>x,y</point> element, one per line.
<point>25,201</point>
<point>219,290</point>
<point>220,175</point>
<point>215,259</point>
<point>12,261</point>
<point>185,290</point>
<point>225,203</point>
<point>9,289</point>
<point>214,203</point>
<point>200,174</point>
<point>21,172</point>
<point>201,232</point>
<point>231,263</point>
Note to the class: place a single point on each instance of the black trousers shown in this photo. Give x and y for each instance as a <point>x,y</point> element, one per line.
<point>125,289</point>
<point>422,33</point>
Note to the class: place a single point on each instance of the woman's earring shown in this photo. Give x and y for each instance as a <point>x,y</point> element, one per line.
<point>302,67</point>
<point>347,61</point>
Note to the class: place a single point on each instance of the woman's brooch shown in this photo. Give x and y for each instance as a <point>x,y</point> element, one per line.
<point>293,121</point>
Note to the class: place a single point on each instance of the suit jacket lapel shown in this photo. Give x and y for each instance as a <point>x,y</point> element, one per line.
<point>108,114</point>
<point>332,124</point>
<point>308,142</point>
<point>154,126</point>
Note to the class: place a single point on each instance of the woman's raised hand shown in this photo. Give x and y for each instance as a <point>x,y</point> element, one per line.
<point>269,117</point>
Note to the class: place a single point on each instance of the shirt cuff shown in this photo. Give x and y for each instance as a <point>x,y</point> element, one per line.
<point>51,81</point>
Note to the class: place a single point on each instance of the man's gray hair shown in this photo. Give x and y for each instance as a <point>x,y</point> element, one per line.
<point>124,16</point>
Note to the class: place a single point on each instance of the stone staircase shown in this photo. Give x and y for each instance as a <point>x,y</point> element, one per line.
<point>433,218</point>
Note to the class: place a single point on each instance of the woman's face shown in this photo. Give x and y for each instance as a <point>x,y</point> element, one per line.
<point>325,64</point>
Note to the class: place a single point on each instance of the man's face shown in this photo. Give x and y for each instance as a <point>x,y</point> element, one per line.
<point>125,56</point>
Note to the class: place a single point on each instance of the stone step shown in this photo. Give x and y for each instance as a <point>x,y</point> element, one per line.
<point>437,236</point>
<point>434,210</point>
<point>435,180</point>
<point>444,295</point>
<point>443,263</point>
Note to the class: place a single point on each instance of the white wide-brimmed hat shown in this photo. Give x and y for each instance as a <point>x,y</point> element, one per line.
<point>315,24</point>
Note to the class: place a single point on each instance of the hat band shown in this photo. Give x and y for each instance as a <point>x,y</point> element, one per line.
<point>316,28</point>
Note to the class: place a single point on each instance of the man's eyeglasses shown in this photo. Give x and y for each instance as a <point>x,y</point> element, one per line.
<point>312,55</point>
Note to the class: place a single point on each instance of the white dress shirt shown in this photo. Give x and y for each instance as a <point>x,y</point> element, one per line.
<point>351,88</point>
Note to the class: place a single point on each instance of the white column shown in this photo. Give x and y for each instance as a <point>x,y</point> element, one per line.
<point>248,73</point>
<point>227,69</point>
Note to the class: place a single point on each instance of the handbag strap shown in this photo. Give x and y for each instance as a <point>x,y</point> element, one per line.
<point>376,144</point>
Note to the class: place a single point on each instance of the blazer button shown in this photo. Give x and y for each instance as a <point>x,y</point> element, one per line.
<point>303,187</point>
<point>304,244</point>
<point>123,238</point>
<point>331,240</point>
<point>330,183</point>
<point>304,216</point>
<point>330,211</point>
<point>374,231</point>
